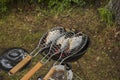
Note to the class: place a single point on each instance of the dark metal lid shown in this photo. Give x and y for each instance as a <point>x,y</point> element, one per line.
<point>11,57</point>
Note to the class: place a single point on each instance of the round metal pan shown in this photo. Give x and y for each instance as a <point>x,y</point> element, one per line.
<point>85,44</point>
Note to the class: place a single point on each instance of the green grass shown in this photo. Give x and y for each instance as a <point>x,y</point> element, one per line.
<point>106,15</point>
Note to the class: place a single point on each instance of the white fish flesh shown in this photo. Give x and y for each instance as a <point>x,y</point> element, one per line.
<point>52,36</point>
<point>75,42</point>
<point>63,42</point>
<point>60,40</point>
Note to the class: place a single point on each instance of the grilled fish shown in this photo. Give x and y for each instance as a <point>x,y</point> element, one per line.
<point>52,36</point>
<point>75,42</point>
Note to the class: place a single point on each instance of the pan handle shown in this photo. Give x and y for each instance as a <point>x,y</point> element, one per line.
<point>49,74</point>
<point>20,65</point>
<point>32,71</point>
